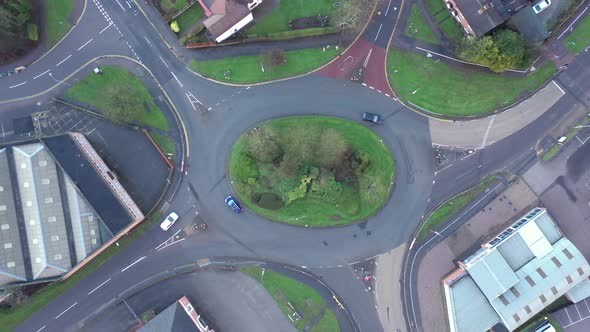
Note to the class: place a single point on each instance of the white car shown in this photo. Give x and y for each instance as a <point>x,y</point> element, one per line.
<point>541,5</point>
<point>169,221</point>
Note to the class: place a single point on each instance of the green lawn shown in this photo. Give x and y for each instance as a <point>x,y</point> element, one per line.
<point>278,20</point>
<point>442,89</point>
<point>450,27</point>
<point>91,91</point>
<point>306,300</point>
<point>450,208</point>
<point>418,28</point>
<point>11,318</point>
<point>248,69</point>
<point>251,177</point>
<point>173,6</point>
<point>569,136</point>
<point>57,13</point>
<point>165,143</point>
<point>189,18</point>
<point>578,40</point>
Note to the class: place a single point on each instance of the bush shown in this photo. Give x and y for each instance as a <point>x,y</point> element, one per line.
<point>503,50</point>
<point>33,31</point>
<point>247,168</point>
<point>261,145</point>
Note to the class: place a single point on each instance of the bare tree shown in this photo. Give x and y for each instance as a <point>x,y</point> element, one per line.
<point>352,14</point>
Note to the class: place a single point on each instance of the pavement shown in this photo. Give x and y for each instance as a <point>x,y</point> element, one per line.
<point>388,289</point>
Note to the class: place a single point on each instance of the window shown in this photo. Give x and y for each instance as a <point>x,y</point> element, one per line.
<point>25,184</point>
<point>32,222</point>
<point>568,254</point>
<point>5,227</point>
<point>45,181</point>
<point>189,308</point>
<point>541,273</point>
<point>35,241</point>
<point>38,260</point>
<point>554,290</point>
<point>515,291</point>
<point>530,281</point>
<point>54,237</point>
<point>93,241</point>
<point>48,200</point>
<point>51,219</point>
<point>527,309</point>
<point>543,298</point>
<point>503,299</point>
<point>8,245</point>
<point>29,203</point>
<point>1,188</point>
<point>92,232</point>
<point>516,317</point>
<point>57,257</point>
<point>569,279</point>
<point>556,262</point>
<point>580,271</point>
<point>10,264</point>
<point>42,162</point>
<point>23,165</point>
<point>90,218</point>
<point>2,207</point>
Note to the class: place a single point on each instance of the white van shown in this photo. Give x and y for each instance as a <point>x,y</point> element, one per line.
<point>546,327</point>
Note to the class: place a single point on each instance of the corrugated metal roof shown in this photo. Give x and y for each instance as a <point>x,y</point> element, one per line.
<point>548,227</point>
<point>470,308</point>
<point>515,251</point>
<point>535,239</point>
<point>493,275</point>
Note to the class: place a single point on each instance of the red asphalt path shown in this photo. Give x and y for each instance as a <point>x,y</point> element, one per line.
<point>361,54</point>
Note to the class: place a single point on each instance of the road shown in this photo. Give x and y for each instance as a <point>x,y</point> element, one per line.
<point>212,117</point>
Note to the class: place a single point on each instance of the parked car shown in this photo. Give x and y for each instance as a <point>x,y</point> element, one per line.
<point>233,204</point>
<point>169,221</point>
<point>375,118</point>
<point>541,5</point>
<point>545,327</point>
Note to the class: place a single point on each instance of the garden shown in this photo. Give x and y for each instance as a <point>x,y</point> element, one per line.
<point>312,171</point>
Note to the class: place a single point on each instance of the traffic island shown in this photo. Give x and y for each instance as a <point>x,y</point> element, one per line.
<point>312,171</point>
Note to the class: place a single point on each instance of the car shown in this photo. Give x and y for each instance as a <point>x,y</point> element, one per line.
<point>370,117</point>
<point>233,204</point>
<point>545,327</point>
<point>541,5</point>
<point>169,221</point>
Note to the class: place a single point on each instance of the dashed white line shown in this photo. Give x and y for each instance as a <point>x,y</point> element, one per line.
<point>70,307</point>
<point>165,64</point>
<point>41,329</point>
<point>557,85</point>
<point>17,85</point>
<point>147,40</point>
<point>130,265</point>
<point>97,287</point>
<point>45,72</point>
<point>120,5</point>
<point>177,80</point>
<point>389,5</point>
<point>367,58</point>
<point>86,43</point>
<point>378,31</point>
<point>62,61</point>
<point>101,31</point>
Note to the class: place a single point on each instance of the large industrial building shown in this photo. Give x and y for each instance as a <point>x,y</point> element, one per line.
<point>514,275</point>
<point>58,203</point>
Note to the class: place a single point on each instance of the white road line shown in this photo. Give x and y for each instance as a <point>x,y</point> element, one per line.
<point>130,265</point>
<point>41,329</point>
<point>165,64</point>
<point>367,58</point>
<point>467,156</point>
<point>568,315</point>
<point>120,5</point>
<point>86,43</point>
<point>177,80</point>
<point>97,287</point>
<point>14,86</point>
<point>579,315</point>
<point>445,168</point>
<point>378,31</point>
<point>170,238</point>
<point>62,61</point>
<point>101,31</point>
<point>56,317</point>
<point>485,136</point>
<point>171,243</point>
<point>587,305</point>
<point>45,72</point>
<point>389,5</point>
<point>147,40</point>
<point>557,85</point>
<point>574,22</point>
<point>583,319</point>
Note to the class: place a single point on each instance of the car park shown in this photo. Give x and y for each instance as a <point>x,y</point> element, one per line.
<point>541,5</point>
<point>371,117</point>
<point>169,221</point>
<point>233,204</point>
<point>545,327</point>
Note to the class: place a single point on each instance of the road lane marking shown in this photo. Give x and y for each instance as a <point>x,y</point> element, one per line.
<point>177,80</point>
<point>165,64</point>
<point>367,58</point>
<point>101,31</point>
<point>14,86</point>
<point>170,238</point>
<point>130,265</point>
<point>378,31</point>
<point>86,43</point>
<point>56,317</point>
<point>192,99</point>
<point>62,61</point>
<point>45,72</point>
<point>387,11</point>
<point>41,329</point>
<point>485,136</point>
<point>557,85</point>
<point>97,287</point>
<point>120,5</point>
<point>147,40</point>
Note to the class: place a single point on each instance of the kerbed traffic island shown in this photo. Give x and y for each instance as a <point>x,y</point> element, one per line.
<point>312,171</point>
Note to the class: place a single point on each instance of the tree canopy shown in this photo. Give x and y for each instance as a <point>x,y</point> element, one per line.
<point>503,50</point>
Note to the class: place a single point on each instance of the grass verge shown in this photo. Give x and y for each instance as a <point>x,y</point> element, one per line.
<point>449,26</point>
<point>439,88</point>
<point>11,318</point>
<point>248,69</point>
<point>278,20</point>
<point>418,28</point>
<point>190,18</point>
<point>95,90</point>
<point>578,40</point>
<point>569,136</point>
<point>57,13</point>
<point>308,303</point>
<point>165,143</point>
<point>173,6</point>
<point>448,209</point>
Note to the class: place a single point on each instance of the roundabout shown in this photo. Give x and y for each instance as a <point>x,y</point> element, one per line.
<point>312,171</point>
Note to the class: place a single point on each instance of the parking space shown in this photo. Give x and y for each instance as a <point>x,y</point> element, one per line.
<point>574,317</point>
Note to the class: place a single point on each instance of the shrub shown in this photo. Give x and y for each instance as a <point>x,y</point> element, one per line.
<point>246,168</point>
<point>32,31</point>
<point>505,49</point>
<point>261,145</point>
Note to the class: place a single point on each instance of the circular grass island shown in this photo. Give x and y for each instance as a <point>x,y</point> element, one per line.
<point>312,171</point>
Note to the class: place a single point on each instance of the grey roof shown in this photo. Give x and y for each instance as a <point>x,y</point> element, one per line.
<point>530,25</point>
<point>482,15</point>
<point>548,227</point>
<point>12,267</point>
<point>42,211</point>
<point>492,274</point>
<point>470,308</point>
<point>516,252</point>
<point>172,319</point>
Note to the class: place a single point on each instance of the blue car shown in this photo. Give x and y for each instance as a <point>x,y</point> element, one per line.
<point>233,204</point>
